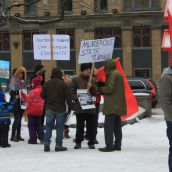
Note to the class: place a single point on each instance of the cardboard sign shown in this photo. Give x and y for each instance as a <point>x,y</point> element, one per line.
<point>96,50</point>
<point>85,99</point>
<point>42,47</point>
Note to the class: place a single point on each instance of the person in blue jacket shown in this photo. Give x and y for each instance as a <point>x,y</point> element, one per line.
<point>5,120</point>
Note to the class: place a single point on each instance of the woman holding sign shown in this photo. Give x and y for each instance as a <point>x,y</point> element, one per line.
<point>17,83</point>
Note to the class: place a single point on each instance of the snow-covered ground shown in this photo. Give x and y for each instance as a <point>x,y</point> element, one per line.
<point>145,149</point>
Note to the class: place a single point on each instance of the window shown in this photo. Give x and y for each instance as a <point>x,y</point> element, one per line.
<point>28,39</point>
<point>31,9</point>
<point>69,32</point>
<point>145,73</point>
<point>141,5</point>
<point>100,5</point>
<point>68,7</point>
<point>101,33</point>
<point>141,37</point>
<point>4,41</point>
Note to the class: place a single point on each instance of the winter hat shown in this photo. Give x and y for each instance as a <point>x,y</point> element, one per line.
<point>37,80</point>
<point>56,73</point>
<point>85,66</point>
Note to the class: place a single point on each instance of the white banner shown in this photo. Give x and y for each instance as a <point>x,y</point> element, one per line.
<point>96,50</point>
<point>42,47</point>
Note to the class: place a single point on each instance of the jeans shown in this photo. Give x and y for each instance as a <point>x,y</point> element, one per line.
<point>169,135</point>
<point>16,127</point>
<point>51,116</point>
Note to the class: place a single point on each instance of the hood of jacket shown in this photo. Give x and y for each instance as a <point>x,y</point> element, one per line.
<point>167,70</point>
<point>109,66</point>
<point>19,71</point>
<point>56,73</point>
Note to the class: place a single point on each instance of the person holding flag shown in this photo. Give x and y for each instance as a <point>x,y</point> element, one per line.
<point>114,106</point>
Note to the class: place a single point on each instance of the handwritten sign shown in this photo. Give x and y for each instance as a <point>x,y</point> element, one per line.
<point>42,49</point>
<point>96,50</point>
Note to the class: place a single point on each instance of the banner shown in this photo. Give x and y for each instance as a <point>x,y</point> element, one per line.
<point>42,47</point>
<point>96,50</point>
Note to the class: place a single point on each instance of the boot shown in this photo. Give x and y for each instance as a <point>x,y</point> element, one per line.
<point>77,146</point>
<point>46,148</point>
<point>60,148</point>
<point>66,133</point>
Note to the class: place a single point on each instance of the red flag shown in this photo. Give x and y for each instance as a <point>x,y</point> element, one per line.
<point>132,106</point>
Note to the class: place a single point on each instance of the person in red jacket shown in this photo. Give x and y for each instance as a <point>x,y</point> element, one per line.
<point>34,111</point>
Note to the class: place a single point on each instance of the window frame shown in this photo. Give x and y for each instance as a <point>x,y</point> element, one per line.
<point>32,32</point>
<point>141,35</point>
<point>2,40</point>
<point>134,7</point>
<point>113,34</point>
<point>142,69</point>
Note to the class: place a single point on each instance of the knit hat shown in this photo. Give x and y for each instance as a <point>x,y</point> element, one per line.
<point>56,73</point>
<point>85,66</point>
<point>37,80</point>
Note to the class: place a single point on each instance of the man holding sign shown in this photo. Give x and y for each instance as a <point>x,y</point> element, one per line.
<point>83,108</point>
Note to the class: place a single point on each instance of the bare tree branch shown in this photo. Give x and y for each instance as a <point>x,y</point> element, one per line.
<point>7,15</point>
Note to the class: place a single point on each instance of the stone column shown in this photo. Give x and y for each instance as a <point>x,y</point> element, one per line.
<point>156,53</point>
<point>16,50</point>
<point>127,50</point>
<point>49,64</point>
<point>80,35</point>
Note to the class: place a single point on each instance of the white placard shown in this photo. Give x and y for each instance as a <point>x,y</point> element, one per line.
<point>96,50</point>
<point>23,104</point>
<point>69,117</point>
<point>85,99</point>
<point>42,47</point>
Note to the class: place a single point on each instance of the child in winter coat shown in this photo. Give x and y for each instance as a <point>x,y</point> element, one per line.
<point>5,120</point>
<point>34,111</point>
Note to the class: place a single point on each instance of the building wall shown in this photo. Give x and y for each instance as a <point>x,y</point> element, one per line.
<point>84,27</point>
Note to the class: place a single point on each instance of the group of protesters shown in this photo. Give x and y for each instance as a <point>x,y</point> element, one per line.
<point>58,97</point>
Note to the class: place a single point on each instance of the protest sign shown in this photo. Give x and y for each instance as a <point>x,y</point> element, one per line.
<point>96,50</point>
<point>60,47</point>
<point>23,104</point>
<point>85,99</point>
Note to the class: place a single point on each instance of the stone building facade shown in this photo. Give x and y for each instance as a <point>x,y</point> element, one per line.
<point>136,24</point>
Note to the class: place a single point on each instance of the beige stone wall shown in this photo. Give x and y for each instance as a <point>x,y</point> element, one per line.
<point>87,5</point>
<point>16,53</point>
<point>127,51</point>
<point>114,4</point>
<point>156,54</point>
<point>49,64</point>
<point>163,4</point>
<point>17,9</point>
<point>81,35</point>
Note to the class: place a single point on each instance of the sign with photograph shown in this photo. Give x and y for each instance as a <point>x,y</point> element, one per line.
<point>85,99</point>
<point>60,47</point>
<point>23,104</point>
<point>96,50</point>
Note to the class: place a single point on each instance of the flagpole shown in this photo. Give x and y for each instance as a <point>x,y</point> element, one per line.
<point>91,75</point>
<point>51,48</point>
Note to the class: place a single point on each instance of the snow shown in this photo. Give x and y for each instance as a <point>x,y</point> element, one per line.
<point>144,149</point>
